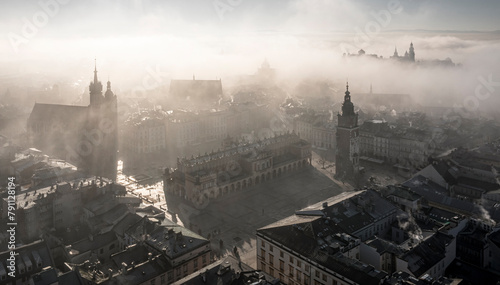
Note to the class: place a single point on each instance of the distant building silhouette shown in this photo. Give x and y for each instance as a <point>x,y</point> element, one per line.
<point>347,153</point>
<point>265,73</point>
<point>409,55</point>
<point>85,136</point>
<point>202,91</point>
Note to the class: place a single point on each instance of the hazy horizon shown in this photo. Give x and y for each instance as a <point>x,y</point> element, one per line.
<point>225,39</point>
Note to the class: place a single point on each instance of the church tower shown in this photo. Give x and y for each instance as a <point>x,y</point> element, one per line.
<point>412,52</point>
<point>396,55</point>
<point>95,89</point>
<point>347,152</point>
<point>101,131</point>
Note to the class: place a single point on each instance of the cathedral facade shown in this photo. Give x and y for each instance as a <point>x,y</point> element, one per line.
<point>86,136</point>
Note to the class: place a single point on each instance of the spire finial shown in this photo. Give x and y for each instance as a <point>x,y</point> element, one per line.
<point>95,70</point>
<point>347,85</point>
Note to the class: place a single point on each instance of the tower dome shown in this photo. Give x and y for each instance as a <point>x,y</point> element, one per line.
<point>109,93</point>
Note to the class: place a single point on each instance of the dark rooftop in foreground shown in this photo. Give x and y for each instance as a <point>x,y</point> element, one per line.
<point>228,271</point>
<point>427,253</point>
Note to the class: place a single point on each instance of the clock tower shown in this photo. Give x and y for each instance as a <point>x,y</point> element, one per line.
<point>347,152</point>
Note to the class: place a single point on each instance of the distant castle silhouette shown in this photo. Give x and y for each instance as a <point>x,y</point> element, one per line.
<point>408,57</point>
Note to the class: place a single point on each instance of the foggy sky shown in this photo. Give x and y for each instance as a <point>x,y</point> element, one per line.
<point>223,38</point>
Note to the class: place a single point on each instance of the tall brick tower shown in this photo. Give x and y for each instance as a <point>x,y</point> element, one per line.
<point>347,152</point>
<point>101,131</point>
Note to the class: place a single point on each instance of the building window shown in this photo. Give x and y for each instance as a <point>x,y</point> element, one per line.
<point>291,270</point>
<point>324,277</point>
<point>162,279</point>
<point>262,254</point>
<point>317,274</point>
<point>282,265</point>
<point>262,266</point>
<point>281,254</point>
<point>299,263</point>
<point>271,259</point>
<point>291,259</point>
<point>270,248</point>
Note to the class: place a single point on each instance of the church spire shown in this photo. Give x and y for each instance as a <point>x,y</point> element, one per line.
<point>95,88</point>
<point>95,70</point>
<point>347,106</point>
<point>412,52</point>
<point>347,96</point>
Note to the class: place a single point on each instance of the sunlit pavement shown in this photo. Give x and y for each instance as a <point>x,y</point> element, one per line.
<point>235,217</point>
<point>383,174</point>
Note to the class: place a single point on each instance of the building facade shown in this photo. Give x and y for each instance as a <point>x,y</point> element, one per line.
<point>321,243</point>
<point>407,147</point>
<point>146,132</point>
<point>318,129</point>
<point>209,176</point>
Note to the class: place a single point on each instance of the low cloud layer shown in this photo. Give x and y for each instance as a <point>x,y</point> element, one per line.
<point>301,39</point>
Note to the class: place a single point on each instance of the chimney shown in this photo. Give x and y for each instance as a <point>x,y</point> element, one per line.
<point>178,236</point>
<point>124,268</point>
<point>325,205</point>
<point>204,276</point>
